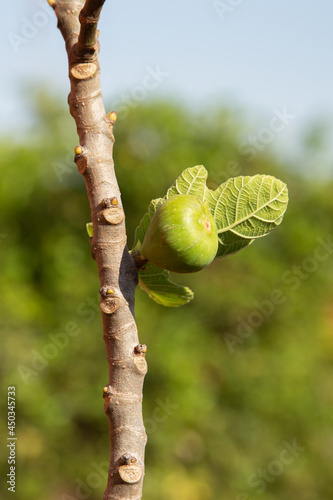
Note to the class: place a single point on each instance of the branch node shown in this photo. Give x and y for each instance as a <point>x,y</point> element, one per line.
<point>127,459</point>
<point>78,150</point>
<point>140,261</point>
<point>52,3</point>
<point>140,349</point>
<point>80,159</point>
<point>106,292</point>
<point>83,71</point>
<point>109,202</point>
<point>130,473</point>
<point>113,116</point>
<point>107,391</point>
<point>109,305</point>
<point>114,215</point>
<point>141,365</point>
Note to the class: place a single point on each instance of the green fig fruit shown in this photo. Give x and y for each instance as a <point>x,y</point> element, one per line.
<point>182,235</point>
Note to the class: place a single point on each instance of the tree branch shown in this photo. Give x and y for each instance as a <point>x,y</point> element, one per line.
<point>117,270</point>
<point>89,18</point>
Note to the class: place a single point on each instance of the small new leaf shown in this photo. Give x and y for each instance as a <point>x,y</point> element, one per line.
<point>144,223</point>
<point>89,228</point>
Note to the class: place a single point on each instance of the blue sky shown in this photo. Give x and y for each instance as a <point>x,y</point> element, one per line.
<point>263,55</point>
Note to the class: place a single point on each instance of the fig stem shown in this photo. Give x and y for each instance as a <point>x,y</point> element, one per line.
<point>139,260</point>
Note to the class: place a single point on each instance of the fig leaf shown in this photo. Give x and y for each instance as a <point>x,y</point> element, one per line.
<point>155,281</point>
<point>191,181</point>
<point>89,228</point>
<point>246,208</point>
<point>144,224</point>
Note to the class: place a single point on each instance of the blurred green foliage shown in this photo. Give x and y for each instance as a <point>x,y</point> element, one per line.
<point>235,377</point>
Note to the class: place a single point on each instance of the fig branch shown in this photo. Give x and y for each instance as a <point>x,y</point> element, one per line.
<point>77,21</point>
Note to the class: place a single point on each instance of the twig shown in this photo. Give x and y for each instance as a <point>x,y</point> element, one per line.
<point>117,270</point>
<point>89,17</point>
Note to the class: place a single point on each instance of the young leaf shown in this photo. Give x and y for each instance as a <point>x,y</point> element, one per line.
<point>89,228</point>
<point>246,208</point>
<point>156,283</point>
<point>191,181</point>
<point>230,244</point>
<point>144,223</point>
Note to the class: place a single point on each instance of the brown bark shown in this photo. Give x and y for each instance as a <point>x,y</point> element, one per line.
<point>117,270</point>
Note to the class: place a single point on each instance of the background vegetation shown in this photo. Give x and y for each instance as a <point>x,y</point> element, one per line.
<point>235,377</point>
